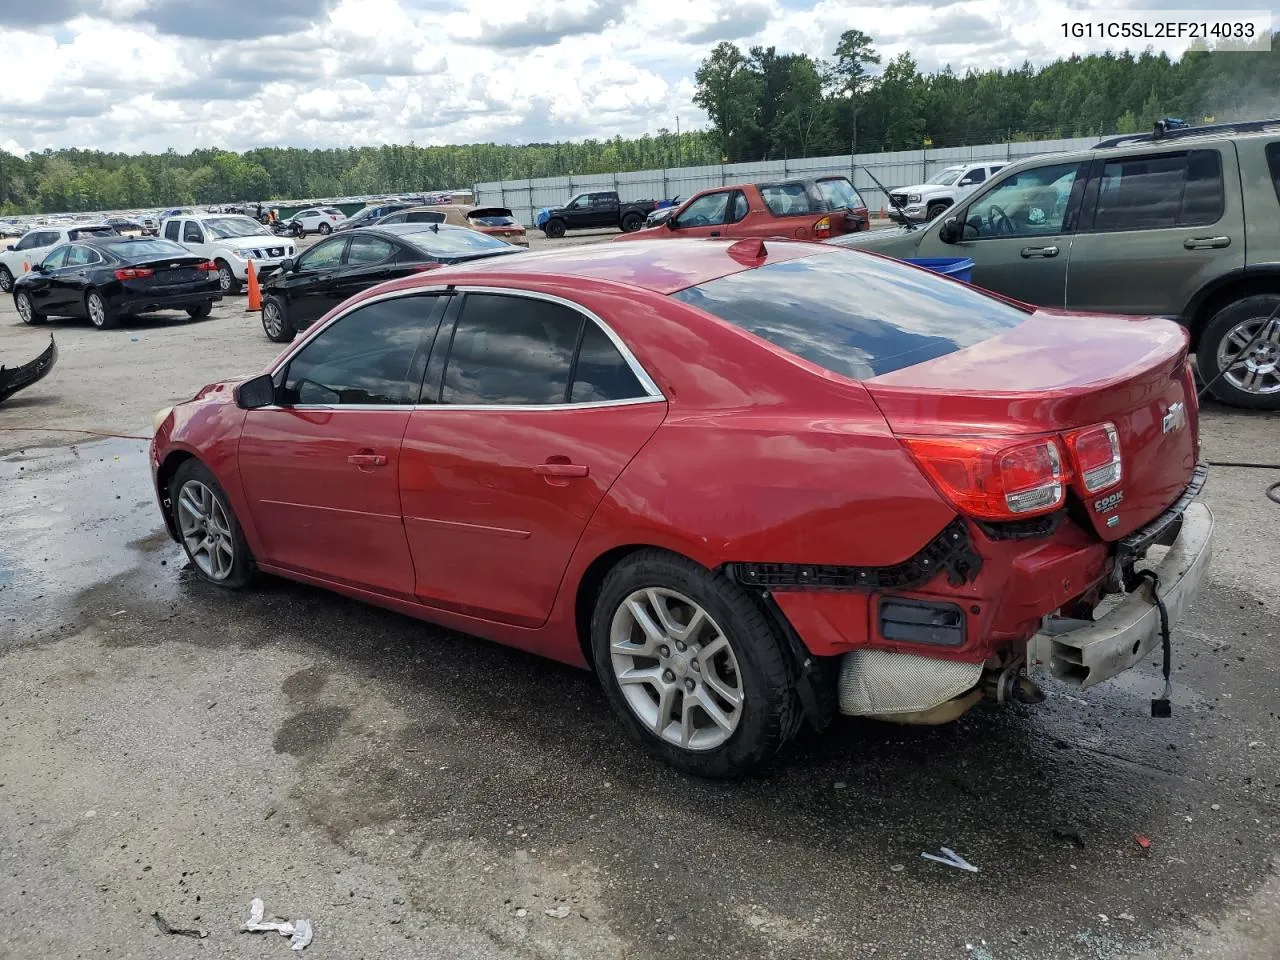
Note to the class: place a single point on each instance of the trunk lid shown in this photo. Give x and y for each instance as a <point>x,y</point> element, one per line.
<point>176,271</point>
<point>1058,372</point>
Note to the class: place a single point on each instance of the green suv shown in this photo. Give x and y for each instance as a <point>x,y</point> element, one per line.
<point>1182,223</point>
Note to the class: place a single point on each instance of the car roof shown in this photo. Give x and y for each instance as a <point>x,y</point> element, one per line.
<point>660,266</point>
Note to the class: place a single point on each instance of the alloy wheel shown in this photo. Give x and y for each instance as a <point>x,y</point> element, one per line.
<point>225,278</point>
<point>6,281</point>
<point>23,304</point>
<point>1254,369</point>
<point>206,531</point>
<point>271,318</point>
<point>97,310</point>
<point>676,669</point>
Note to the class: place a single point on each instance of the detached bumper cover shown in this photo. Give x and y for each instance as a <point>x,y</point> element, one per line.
<point>1086,653</point>
<point>13,379</point>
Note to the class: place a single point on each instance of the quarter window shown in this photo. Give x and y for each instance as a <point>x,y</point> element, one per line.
<point>366,250</point>
<point>1030,203</point>
<point>1160,192</point>
<point>370,356</point>
<point>600,372</point>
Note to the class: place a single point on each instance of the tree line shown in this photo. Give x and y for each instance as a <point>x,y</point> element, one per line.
<point>763,105</point>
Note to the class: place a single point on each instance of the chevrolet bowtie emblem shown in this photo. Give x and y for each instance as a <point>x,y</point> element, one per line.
<point>1175,418</point>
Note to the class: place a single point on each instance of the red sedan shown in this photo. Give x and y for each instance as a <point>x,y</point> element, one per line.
<point>747,484</point>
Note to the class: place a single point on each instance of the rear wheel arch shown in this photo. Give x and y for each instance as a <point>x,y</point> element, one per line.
<point>1221,293</point>
<point>589,585</point>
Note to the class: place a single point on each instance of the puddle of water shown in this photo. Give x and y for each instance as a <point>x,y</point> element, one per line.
<point>73,517</point>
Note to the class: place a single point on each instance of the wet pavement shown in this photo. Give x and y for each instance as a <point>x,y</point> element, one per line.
<point>418,793</point>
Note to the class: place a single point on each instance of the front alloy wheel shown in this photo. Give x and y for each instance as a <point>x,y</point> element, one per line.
<point>275,322</point>
<point>26,311</point>
<point>206,531</point>
<point>6,280</point>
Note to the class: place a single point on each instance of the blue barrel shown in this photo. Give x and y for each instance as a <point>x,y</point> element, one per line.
<point>958,268</point>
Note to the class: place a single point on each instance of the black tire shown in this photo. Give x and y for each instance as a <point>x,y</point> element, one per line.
<point>243,567</point>
<point>770,709</point>
<point>275,320</point>
<point>200,312</point>
<point>325,229</point>
<point>632,222</point>
<point>554,229</point>
<point>1218,328</point>
<point>104,318</point>
<point>227,278</point>
<point>31,314</point>
<point>935,209</point>
<point>6,280</point>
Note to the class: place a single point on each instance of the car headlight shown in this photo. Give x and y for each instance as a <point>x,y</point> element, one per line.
<point>246,253</point>
<point>913,198</point>
<point>159,418</point>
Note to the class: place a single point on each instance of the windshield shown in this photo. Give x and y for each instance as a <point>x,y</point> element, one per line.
<point>946,177</point>
<point>224,228</point>
<point>854,314</point>
<point>455,242</point>
<point>839,193</point>
<point>145,248</point>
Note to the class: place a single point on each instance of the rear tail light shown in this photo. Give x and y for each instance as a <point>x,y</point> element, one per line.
<point>133,273</point>
<point>1095,453</point>
<point>207,267</point>
<point>822,229</point>
<point>995,478</point>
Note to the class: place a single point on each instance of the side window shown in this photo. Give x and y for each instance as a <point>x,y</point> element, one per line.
<point>56,258</point>
<point>739,207</point>
<point>510,350</point>
<point>422,216</point>
<point>323,255</point>
<point>1153,193</point>
<point>366,250</point>
<point>171,230</point>
<point>600,372</point>
<point>79,256</point>
<point>786,199</point>
<point>191,232</point>
<point>580,202</point>
<point>30,241</point>
<point>396,218</point>
<point>603,199</point>
<point>370,356</point>
<point>1031,203</point>
<point>976,175</point>
<point>708,210</point>
<point>996,168</point>
<point>1273,164</point>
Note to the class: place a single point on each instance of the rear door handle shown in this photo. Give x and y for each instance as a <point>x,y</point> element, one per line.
<point>1206,243</point>
<point>368,459</point>
<point>715,233</point>
<point>1033,253</point>
<point>562,470</point>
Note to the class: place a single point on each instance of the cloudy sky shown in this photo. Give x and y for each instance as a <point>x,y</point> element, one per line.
<point>152,74</point>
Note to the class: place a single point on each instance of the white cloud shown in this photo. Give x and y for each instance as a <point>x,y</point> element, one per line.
<point>153,74</point>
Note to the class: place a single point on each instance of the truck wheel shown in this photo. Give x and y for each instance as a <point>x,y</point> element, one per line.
<point>934,209</point>
<point>632,222</point>
<point>554,229</point>
<point>1252,379</point>
<point>227,281</point>
<point>692,666</point>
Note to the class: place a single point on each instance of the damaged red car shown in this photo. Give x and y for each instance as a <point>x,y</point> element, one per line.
<point>748,484</point>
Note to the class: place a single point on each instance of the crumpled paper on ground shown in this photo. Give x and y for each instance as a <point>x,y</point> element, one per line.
<point>298,931</point>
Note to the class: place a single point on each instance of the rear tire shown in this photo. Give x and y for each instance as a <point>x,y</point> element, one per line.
<point>734,654</point>
<point>325,229</point>
<point>99,314</point>
<point>632,222</point>
<point>227,280</point>
<point>275,321</point>
<point>208,529</point>
<point>6,280</point>
<point>554,229</point>
<point>26,309</point>
<point>1253,382</point>
<point>200,312</point>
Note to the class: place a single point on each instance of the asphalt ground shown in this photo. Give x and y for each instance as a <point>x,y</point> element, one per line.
<point>417,793</point>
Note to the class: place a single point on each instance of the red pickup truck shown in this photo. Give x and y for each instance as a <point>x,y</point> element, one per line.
<point>801,209</point>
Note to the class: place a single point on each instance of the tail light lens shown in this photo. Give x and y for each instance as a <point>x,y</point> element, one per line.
<point>995,478</point>
<point>207,267</point>
<point>822,229</point>
<point>1095,453</point>
<point>133,273</point>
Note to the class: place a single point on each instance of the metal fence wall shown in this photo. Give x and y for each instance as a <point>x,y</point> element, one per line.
<point>525,197</point>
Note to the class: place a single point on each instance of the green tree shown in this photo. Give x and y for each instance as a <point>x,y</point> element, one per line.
<point>729,90</point>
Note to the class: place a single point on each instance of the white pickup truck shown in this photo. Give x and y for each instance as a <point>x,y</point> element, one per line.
<point>230,241</point>
<point>948,186</point>
<point>37,242</point>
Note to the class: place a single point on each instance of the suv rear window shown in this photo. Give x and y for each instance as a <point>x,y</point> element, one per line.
<point>1160,192</point>
<point>853,313</point>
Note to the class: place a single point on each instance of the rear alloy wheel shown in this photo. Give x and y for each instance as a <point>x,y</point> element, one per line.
<point>6,280</point>
<point>227,280</point>
<point>26,309</point>
<point>99,314</point>
<point>632,222</point>
<point>208,528</point>
<point>693,666</point>
<point>275,321</point>
<point>200,312</point>
<point>554,229</point>
<point>325,229</point>
<point>1244,343</point>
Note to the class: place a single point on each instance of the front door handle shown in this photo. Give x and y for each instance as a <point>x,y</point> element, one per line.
<point>1206,243</point>
<point>715,233</point>
<point>1035,253</point>
<point>368,459</point>
<point>562,470</point>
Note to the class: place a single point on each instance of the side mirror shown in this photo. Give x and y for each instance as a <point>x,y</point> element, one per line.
<point>259,391</point>
<point>671,223</point>
<point>39,268</point>
<point>950,231</point>
<point>287,265</point>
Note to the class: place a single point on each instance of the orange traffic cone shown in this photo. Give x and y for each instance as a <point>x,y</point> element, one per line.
<point>255,294</point>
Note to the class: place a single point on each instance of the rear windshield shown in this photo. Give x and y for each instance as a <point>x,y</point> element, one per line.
<point>145,247</point>
<point>855,314</point>
<point>492,218</point>
<point>82,232</point>
<point>839,193</point>
<point>454,242</point>
<point>333,211</point>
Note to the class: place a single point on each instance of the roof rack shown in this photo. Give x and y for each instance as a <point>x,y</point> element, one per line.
<point>1170,128</point>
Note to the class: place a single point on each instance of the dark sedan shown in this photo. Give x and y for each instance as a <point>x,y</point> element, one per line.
<point>304,290</point>
<point>108,278</point>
